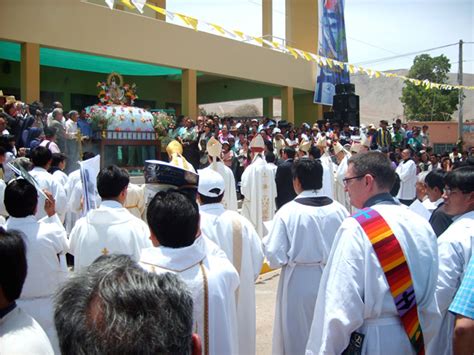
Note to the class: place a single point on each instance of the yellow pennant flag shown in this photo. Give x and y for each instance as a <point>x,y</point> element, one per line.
<point>258,39</point>
<point>306,56</point>
<point>275,44</point>
<point>240,34</point>
<point>292,51</point>
<point>190,21</point>
<point>330,62</point>
<point>128,4</point>
<point>377,74</point>
<point>218,28</point>
<point>339,64</point>
<point>351,68</point>
<point>157,9</point>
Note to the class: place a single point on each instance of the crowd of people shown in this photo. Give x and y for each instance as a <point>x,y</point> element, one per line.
<point>371,229</point>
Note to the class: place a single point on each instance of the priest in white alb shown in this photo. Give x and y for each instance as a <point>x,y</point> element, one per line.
<point>342,156</point>
<point>299,242</point>
<point>111,228</point>
<point>214,149</point>
<point>237,237</point>
<point>259,188</point>
<point>328,166</point>
<point>179,247</point>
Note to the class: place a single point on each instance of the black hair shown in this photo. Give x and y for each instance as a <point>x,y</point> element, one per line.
<point>435,178</point>
<point>173,217</point>
<point>270,157</point>
<point>58,158</point>
<point>13,266</point>
<point>87,155</point>
<point>41,156</point>
<point>461,178</point>
<point>21,198</point>
<point>376,164</point>
<point>111,181</point>
<point>395,186</point>
<point>314,152</point>
<point>309,173</point>
<point>49,132</point>
<point>290,152</point>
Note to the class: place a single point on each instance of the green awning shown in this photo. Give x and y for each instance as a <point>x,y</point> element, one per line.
<point>85,62</point>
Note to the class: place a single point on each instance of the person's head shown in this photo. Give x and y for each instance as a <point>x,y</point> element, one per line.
<point>434,159</point>
<point>41,157</point>
<point>173,219</point>
<point>314,152</point>
<point>420,186</point>
<point>50,133</point>
<point>446,164</point>
<point>57,114</point>
<point>383,124</point>
<point>368,174</point>
<point>270,157</point>
<point>289,153</point>
<point>87,155</point>
<point>434,182</point>
<point>211,187</point>
<point>13,266</point>
<point>424,128</point>
<point>459,191</point>
<point>21,198</point>
<point>307,175</point>
<point>3,124</point>
<point>114,306</point>
<point>59,160</point>
<point>406,154</point>
<point>74,115</point>
<point>112,183</point>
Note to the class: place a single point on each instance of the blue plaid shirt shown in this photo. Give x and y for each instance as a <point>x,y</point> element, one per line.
<point>463,303</point>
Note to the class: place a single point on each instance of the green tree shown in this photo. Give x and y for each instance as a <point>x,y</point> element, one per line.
<point>432,104</point>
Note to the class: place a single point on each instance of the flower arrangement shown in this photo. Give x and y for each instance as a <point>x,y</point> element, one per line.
<point>98,119</point>
<point>161,123</point>
<point>113,91</point>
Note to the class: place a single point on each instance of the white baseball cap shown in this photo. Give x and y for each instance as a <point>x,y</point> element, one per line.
<point>211,183</point>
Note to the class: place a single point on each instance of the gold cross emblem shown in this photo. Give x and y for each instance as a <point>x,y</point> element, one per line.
<point>105,251</point>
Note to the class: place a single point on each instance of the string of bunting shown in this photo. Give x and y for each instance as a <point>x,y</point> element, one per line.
<point>295,52</point>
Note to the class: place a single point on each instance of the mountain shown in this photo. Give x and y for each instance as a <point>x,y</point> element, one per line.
<point>379,98</point>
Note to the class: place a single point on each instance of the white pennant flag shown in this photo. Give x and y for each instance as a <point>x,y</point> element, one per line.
<point>139,4</point>
<point>110,3</point>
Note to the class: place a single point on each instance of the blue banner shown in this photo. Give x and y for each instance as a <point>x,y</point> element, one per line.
<point>332,44</point>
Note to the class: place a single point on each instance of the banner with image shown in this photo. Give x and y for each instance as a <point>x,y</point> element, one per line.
<point>333,45</point>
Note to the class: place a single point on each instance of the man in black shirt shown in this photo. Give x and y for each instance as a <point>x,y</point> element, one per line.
<point>439,220</point>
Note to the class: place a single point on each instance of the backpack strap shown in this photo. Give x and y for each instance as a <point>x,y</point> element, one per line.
<point>396,270</point>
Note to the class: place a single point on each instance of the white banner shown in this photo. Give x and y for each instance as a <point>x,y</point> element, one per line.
<point>89,170</point>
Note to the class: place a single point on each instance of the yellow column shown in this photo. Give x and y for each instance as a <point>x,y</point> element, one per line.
<point>268,107</point>
<point>287,104</point>
<point>189,93</point>
<point>267,18</point>
<point>302,24</point>
<point>162,4</point>
<point>30,72</point>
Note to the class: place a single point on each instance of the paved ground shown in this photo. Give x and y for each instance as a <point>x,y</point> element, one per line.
<point>265,292</point>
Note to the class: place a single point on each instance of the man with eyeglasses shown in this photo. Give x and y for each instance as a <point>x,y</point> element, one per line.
<point>355,304</point>
<point>454,247</point>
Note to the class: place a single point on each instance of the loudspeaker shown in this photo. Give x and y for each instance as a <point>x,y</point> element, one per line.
<point>350,117</point>
<point>328,116</point>
<point>346,88</point>
<point>345,102</point>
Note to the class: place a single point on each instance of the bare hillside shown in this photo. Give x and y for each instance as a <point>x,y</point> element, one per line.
<point>379,99</point>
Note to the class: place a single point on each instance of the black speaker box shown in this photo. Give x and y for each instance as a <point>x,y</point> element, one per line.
<point>345,102</point>
<point>349,117</point>
<point>347,88</point>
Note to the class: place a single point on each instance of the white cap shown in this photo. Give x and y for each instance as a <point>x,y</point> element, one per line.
<point>211,183</point>
<point>276,130</point>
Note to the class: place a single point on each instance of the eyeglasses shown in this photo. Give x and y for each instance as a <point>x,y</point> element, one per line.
<point>345,180</point>
<point>449,191</point>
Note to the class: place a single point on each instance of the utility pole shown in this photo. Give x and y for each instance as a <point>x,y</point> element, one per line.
<point>461,96</point>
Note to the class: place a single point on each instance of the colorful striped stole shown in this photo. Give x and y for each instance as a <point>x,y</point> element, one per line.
<point>396,270</point>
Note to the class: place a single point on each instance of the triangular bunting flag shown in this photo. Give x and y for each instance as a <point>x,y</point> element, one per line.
<point>139,4</point>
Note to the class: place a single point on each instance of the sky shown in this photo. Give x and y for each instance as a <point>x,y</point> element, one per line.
<point>375,29</point>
